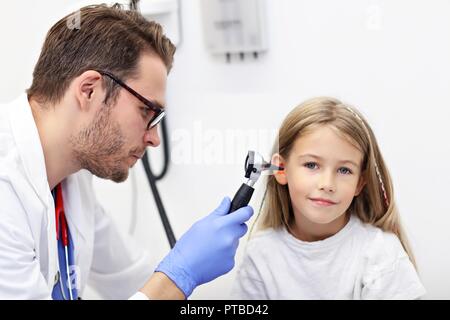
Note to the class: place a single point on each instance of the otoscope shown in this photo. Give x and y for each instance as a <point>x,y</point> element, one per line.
<point>254,166</point>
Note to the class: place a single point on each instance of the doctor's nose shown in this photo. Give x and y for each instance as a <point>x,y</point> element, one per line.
<point>151,137</point>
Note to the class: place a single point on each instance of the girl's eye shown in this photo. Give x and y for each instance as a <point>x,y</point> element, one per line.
<point>345,170</point>
<point>310,165</point>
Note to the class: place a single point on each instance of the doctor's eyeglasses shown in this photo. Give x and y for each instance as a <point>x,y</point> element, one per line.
<point>158,112</point>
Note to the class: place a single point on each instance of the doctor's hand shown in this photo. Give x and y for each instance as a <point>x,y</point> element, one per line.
<point>206,251</point>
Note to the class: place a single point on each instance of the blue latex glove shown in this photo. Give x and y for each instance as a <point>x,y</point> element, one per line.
<point>206,251</point>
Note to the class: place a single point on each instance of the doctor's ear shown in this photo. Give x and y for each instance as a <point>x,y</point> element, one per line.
<point>88,87</point>
<point>280,176</point>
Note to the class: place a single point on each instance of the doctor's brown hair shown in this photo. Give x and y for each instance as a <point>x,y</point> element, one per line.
<point>106,38</point>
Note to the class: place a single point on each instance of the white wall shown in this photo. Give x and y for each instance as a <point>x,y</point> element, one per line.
<point>391,59</point>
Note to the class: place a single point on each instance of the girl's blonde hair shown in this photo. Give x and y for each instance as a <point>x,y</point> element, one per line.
<point>375,204</point>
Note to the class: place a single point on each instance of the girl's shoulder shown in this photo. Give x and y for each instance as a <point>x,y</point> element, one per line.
<point>264,236</point>
<point>387,271</point>
<point>381,248</point>
<point>264,240</point>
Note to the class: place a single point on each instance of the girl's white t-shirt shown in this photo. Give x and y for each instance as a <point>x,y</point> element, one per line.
<point>359,262</point>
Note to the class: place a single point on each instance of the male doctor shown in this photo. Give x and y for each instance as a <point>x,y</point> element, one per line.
<point>97,95</point>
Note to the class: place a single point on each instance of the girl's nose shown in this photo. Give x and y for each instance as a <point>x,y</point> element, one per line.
<point>327,182</point>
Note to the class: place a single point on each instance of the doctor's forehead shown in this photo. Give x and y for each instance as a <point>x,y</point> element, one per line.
<point>151,78</point>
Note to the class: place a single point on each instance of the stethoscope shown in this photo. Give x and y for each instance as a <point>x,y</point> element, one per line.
<point>63,234</point>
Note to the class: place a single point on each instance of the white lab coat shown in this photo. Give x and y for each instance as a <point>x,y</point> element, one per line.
<point>111,262</point>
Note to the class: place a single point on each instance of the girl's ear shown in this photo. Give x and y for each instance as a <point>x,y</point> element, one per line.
<point>280,176</point>
<point>360,186</point>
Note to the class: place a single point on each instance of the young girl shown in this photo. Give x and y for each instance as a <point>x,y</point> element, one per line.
<point>330,227</point>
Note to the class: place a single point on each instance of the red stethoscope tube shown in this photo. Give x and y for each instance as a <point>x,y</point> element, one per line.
<point>61,222</point>
<point>62,232</point>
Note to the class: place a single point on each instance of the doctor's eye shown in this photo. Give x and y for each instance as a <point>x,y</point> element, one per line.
<point>146,112</point>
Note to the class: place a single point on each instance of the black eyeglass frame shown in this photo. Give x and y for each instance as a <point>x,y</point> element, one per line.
<point>159,112</point>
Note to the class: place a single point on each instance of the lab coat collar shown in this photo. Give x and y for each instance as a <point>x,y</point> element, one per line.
<point>27,140</point>
<point>26,136</point>
<point>31,153</point>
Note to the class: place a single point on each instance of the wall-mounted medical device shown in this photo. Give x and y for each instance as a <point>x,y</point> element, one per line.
<point>235,26</point>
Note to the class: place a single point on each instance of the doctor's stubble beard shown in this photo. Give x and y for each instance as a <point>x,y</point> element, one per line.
<point>99,148</point>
